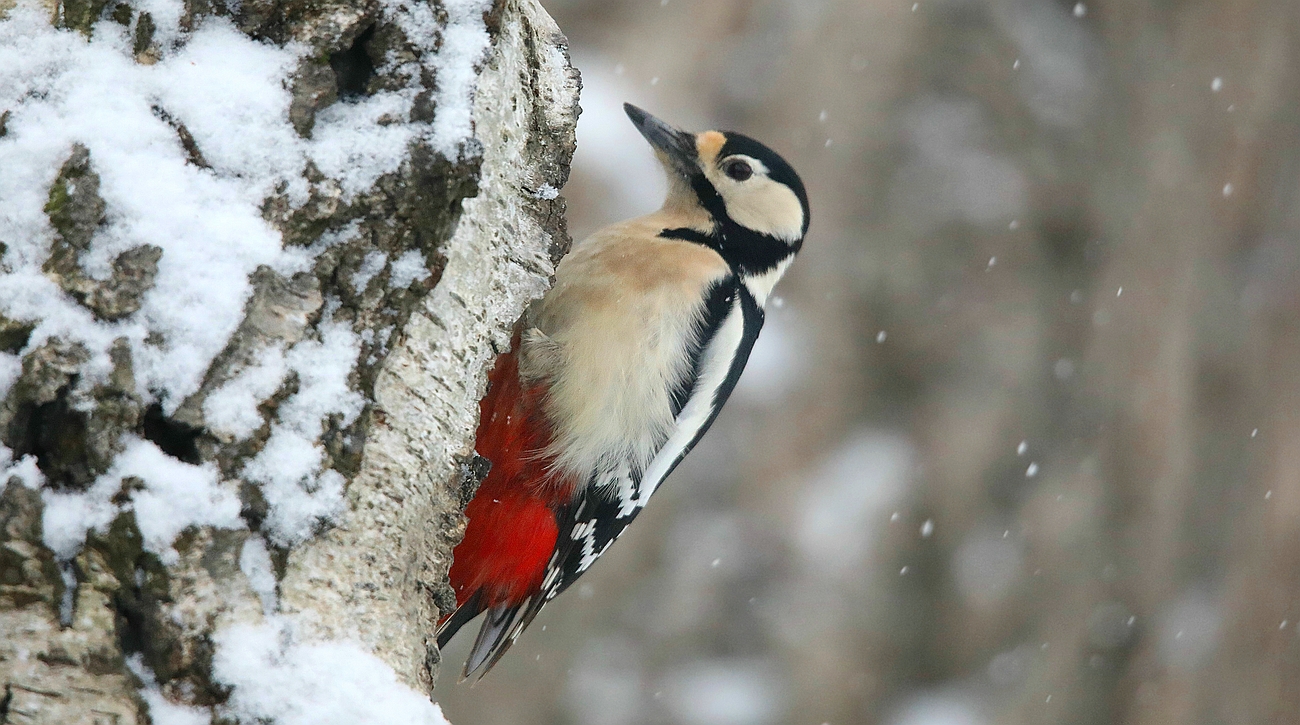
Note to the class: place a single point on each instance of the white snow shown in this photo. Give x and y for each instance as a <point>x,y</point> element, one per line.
<point>407,268</point>
<point>230,92</point>
<point>61,90</point>
<point>161,710</point>
<point>232,408</point>
<point>255,563</point>
<point>175,496</point>
<point>232,95</point>
<point>68,516</point>
<point>297,491</point>
<point>372,265</point>
<point>464,41</point>
<point>24,469</point>
<point>11,366</point>
<point>278,679</point>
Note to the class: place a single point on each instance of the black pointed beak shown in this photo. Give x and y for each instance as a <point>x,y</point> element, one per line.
<point>676,144</point>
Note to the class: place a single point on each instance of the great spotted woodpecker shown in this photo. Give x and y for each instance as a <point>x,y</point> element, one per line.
<point>617,373</point>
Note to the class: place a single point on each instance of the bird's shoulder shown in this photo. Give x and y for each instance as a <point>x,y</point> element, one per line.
<point>633,256</point>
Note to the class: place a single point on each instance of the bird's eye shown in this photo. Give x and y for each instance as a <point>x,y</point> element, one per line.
<point>738,170</point>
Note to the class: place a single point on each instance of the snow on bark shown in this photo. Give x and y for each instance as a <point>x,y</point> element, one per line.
<point>256,259</point>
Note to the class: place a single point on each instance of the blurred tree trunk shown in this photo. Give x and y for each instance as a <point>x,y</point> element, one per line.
<point>1147,350</point>
<point>1198,183</point>
<point>489,229</point>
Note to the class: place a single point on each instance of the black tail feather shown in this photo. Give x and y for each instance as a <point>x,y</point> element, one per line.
<point>459,618</point>
<point>493,640</point>
<point>500,629</point>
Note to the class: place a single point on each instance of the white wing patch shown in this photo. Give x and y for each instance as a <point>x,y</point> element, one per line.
<point>716,360</point>
<point>631,489</point>
<point>621,492</point>
<point>620,488</point>
<point>628,491</point>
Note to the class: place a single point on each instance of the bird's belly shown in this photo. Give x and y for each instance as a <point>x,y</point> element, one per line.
<point>611,402</point>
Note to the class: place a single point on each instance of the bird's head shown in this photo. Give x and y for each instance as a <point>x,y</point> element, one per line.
<point>756,201</point>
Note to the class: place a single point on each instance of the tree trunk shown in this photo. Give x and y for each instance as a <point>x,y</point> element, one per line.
<point>257,258</point>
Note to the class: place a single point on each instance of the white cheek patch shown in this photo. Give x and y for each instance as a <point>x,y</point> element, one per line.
<point>759,203</point>
<point>765,206</point>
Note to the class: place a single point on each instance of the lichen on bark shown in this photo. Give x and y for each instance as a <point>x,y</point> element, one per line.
<point>426,268</point>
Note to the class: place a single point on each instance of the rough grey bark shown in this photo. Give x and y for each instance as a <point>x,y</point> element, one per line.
<point>490,231</point>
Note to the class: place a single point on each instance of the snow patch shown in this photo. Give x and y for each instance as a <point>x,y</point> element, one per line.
<point>372,265</point>
<point>67,517</point>
<point>11,366</point>
<point>161,710</point>
<point>169,497</point>
<point>298,492</point>
<point>255,563</point>
<point>464,42</point>
<point>277,679</point>
<point>232,408</point>
<point>231,93</point>
<point>24,469</point>
<point>62,89</point>
<point>407,269</point>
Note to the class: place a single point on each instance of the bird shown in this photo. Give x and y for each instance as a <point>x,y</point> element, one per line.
<point>616,373</point>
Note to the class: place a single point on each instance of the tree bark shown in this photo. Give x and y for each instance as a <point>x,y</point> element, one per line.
<point>82,636</point>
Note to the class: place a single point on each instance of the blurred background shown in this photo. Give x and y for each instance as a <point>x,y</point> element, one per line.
<point>1020,442</point>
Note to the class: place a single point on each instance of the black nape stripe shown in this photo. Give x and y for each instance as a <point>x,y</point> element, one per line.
<point>746,251</point>
<point>690,235</point>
